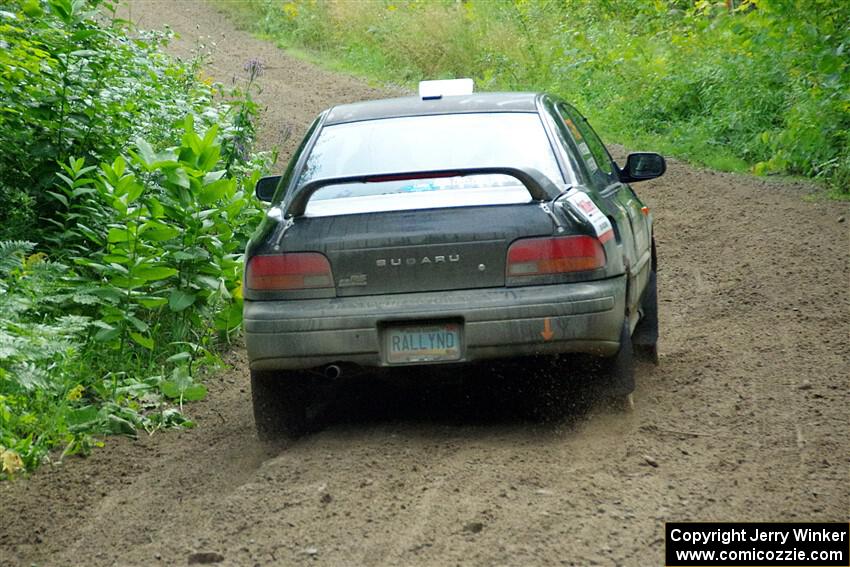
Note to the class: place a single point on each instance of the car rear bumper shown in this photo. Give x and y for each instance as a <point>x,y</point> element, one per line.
<point>498,322</point>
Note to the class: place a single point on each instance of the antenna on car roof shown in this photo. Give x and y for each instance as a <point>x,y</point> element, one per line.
<point>432,90</point>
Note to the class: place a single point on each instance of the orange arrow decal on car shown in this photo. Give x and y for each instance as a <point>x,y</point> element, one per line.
<point>547,333</point>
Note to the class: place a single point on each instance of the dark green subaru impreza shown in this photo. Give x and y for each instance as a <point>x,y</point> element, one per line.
<point>442,229</point>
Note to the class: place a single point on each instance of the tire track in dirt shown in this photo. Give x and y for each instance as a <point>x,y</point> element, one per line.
<point>745,417</point>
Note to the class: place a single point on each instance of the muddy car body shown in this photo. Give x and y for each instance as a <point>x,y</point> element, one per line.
<point>445,230</point>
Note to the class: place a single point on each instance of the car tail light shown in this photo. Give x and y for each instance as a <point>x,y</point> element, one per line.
<point>299,270</point>
<point>541,256</point>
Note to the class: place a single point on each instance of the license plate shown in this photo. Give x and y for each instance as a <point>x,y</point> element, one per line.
<point>422,343</point>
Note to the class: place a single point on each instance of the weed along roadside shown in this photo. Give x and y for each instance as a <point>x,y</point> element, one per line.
<point>126,204</point>
<point>743,419</point>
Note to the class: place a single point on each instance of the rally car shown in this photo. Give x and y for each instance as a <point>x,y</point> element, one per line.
<point>446,228</point>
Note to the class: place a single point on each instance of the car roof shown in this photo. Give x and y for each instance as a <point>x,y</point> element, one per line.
<point>415,106</point>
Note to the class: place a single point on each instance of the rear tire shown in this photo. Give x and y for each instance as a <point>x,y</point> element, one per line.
<point>617,373</point>
<point>280,400</point>
<point>646,333</point>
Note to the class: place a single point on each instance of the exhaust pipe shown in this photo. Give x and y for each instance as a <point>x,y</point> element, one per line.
<point>333,371</point>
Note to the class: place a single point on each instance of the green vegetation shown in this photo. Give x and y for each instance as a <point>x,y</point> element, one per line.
<point>761,85</point>
<point>125,204</point>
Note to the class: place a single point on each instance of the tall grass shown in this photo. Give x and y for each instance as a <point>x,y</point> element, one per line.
<point>761,86</point>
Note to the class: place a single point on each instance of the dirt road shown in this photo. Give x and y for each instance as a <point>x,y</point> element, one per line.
<point>746,416</point>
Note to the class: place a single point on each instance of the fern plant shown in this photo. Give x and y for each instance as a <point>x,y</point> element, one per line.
<point>12,253</point>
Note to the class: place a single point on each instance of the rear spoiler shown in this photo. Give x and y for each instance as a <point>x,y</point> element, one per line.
<point>539,185</point>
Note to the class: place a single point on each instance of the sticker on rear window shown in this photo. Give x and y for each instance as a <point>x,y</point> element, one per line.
<point>571,125</point>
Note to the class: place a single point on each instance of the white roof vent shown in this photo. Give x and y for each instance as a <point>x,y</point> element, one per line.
<point>429,90</point>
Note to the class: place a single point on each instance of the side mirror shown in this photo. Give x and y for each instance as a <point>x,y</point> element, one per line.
<point>266,187</point>
<point>641,166</point>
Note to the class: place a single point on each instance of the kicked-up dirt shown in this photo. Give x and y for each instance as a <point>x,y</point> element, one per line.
<point>745,418</point>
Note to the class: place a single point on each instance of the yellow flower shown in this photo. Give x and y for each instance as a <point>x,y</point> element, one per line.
<point>204,78</point>
<point>12,462</point>
<point>76,393</point>
<point>34,259</point>
<point>290,10</point>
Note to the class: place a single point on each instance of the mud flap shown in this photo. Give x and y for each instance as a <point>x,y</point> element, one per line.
<point>645,338</point>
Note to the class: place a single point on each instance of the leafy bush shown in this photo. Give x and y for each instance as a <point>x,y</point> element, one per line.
<point>764,86</point>
<point>166,250</point>
<point>152,283</point>
<point>142,182</point>
<point>74,85</point>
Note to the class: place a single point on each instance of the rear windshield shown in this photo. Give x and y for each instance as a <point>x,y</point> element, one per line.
<point>423,143</point>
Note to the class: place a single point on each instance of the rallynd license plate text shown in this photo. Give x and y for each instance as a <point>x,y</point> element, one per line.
<point>422,343</point>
